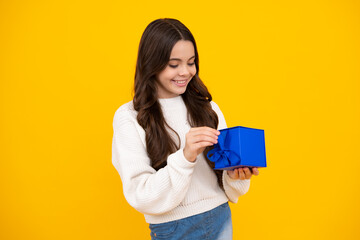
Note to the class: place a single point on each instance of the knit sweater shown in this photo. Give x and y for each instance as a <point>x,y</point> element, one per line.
<point>181,188</point>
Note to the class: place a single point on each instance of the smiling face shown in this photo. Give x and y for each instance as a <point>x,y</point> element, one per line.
<point>174,78</point>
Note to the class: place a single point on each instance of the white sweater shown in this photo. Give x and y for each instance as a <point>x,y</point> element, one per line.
<point>180,189</point>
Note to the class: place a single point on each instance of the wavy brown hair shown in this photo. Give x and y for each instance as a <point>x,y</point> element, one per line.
<point>155,48</point>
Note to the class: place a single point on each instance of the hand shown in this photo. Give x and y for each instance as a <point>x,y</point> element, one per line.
<point>243,173</point>
<point>197,139</point>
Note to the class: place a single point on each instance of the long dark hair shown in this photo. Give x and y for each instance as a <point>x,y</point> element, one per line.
<point>155,48</point>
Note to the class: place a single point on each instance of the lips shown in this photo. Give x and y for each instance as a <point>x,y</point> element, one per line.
<point>180,83</point>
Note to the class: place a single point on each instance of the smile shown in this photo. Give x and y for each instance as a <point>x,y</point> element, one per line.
<point>180,83</point>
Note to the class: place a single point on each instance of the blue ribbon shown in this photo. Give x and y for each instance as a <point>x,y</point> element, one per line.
<point>223,156</point>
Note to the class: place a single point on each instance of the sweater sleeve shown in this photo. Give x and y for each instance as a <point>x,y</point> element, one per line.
<point>147,190</point>
<point>234,188</point>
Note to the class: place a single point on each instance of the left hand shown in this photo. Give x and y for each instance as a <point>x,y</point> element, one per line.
<point>243,173</point>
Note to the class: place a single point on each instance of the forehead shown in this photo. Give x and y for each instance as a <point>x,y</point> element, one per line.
<point>183,50</point>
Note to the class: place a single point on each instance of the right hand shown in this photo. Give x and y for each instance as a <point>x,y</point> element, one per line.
<point>197,139</point>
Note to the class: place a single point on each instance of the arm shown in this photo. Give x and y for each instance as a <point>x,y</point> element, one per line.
<point>234,188</point>
<point>147,190</point>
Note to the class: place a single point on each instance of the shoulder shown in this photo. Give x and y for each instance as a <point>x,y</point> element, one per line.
<point>125,112</point>
<point>125,123</point>
<point>215,107</point>
<point>222,122</point>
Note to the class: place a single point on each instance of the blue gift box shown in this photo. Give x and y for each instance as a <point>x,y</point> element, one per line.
<point>239,147</point>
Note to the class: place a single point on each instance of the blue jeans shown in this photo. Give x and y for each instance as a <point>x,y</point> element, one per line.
<point>215,224</point>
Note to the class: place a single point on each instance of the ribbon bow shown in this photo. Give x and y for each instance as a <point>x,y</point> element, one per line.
<point>221,156</point>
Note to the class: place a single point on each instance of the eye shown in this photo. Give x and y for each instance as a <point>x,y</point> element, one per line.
<point>175,66</point>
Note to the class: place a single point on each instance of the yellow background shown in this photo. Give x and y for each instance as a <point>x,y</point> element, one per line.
<point>289,67</point>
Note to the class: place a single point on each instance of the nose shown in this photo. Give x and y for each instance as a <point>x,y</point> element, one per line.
<point>184,71</point>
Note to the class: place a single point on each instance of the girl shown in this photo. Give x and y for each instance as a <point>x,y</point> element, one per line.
<point>162,136</point>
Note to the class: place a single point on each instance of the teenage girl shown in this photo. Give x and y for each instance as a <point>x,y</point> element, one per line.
<point>162,136</point>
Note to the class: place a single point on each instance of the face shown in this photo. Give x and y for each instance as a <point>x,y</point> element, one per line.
<point>174,78</point>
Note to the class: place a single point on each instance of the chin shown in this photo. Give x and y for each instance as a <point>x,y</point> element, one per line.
<point>181,92</point>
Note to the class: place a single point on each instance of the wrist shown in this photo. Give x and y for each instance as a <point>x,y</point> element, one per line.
<point>189,158</point>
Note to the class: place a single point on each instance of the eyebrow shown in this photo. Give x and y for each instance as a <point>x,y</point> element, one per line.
<point>178,59</point>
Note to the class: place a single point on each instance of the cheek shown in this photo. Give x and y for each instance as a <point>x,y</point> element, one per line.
<point>170,74</point>
<point>166,75</point>
<point>193,71</point>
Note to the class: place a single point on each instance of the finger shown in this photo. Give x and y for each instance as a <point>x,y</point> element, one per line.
<point>231,173</point>
<point>208,130</point>
<point>203,138</point>
<point>203,134</point>
<point>241,174</point>
<point>202,145</point>
<point>234,174</point>
<point>247,173</point>
<point>204,128</point>
<point>255,171</point>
